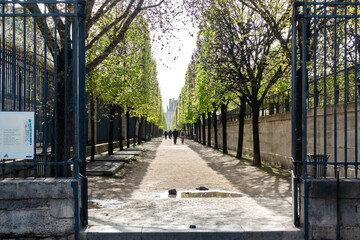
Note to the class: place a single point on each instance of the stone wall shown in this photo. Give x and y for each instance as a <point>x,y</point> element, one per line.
<point>331,208</point>
<point>275,146</point>
<point>38,208</point>
<point>275,136</point>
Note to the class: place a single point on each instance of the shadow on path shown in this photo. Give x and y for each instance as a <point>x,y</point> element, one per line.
<point>253,181</point>
<point>121,189</point>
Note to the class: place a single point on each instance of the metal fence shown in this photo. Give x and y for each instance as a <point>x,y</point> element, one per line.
<point>103,125</point>
<point>42,71</point>
<point>325,49</point>
<point>328,77</point>
<point>280,102</point>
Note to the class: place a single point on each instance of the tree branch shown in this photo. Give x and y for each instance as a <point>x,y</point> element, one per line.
<point>119,37</point>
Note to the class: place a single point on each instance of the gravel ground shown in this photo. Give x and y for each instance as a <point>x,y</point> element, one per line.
<point>140,202</point>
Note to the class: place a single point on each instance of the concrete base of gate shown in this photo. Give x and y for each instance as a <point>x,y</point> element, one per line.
<point>191,235</point>
<point>325,201</point>
<point>38,208</point>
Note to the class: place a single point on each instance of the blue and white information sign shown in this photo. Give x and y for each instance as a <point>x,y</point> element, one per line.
<point>17,135</point>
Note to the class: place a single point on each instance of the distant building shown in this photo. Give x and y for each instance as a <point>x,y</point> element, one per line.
<point>170,111</point>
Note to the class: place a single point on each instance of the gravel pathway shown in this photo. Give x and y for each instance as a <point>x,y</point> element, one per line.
<point>140,202</point>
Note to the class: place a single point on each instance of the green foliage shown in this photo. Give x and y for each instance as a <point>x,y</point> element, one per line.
<point>127,77</point>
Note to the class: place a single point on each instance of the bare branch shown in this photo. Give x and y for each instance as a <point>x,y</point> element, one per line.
<point>153,6</point>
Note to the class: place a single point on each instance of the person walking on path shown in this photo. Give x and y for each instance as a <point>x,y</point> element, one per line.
<point>175,134</point>
<point>165,134</point>
<point>182,135</point>
<point>170,134</point>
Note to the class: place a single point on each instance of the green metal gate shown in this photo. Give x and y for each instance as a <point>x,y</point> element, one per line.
<point>42,70</point>
<point>325,91</point>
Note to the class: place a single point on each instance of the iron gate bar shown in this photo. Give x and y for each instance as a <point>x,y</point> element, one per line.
<point>44,2</point>
<point>66,93</point>
<point>24,57</point>
<point>3,62</point>
<point>14,61</point>
<point>75,92</point>
<point>315,88</point>
<point>38,14</point>
<point>345,93</point>
<point>82,103</point>
<point>35,91</point>
<point>356,94</point>
<point>325,87</point>
<point>304,86</point>
<point>45,149</point>
<point>56,96</point>
<point>296,177</point>
<point>335,92</point>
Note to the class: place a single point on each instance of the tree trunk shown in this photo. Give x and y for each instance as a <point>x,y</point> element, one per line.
<point>256,140</point>
<point>145,130</point>
<point>121,145</point>
<point>127,128</point>
<point>111,130</point>
<point>140,132</point>
<point>196,131</point>
<point>216,146</point>
<point>191,131</point>
<point>64,115</point>
<point>223,121</point>
<point>92,127</point>
<point>239,152</point>
<point>209,129</point>
<point>203,129</point>
<point>199,130</point>
<point>135,120</point>
<point>298,119</point>
<point>150,124</point>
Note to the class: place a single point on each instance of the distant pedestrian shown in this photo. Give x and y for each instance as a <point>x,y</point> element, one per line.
<point>165,134</point>
<point>175,134</point>
<point>182,135</point>
<point>170,134</point>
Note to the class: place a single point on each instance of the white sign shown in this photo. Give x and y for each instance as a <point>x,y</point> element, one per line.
<point>17,135</point>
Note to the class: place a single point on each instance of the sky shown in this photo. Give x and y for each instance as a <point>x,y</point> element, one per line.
<point>172,62</point>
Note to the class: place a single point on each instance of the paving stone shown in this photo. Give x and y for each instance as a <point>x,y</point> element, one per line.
<point>136,149</point>
<point>136,153</point>
<point>114,158</point>
<point>99,168</point>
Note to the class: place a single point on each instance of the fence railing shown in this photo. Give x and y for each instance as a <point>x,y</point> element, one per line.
<point>39,74</point>
<point>281,102</point>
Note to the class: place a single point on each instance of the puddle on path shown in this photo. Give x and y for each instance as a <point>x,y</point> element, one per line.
<point>202,194</point>
<point>210,194</point>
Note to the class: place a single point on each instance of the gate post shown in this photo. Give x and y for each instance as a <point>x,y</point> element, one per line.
<point>324,86</point>
<point>82,108</point>
<point>296,95</point>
